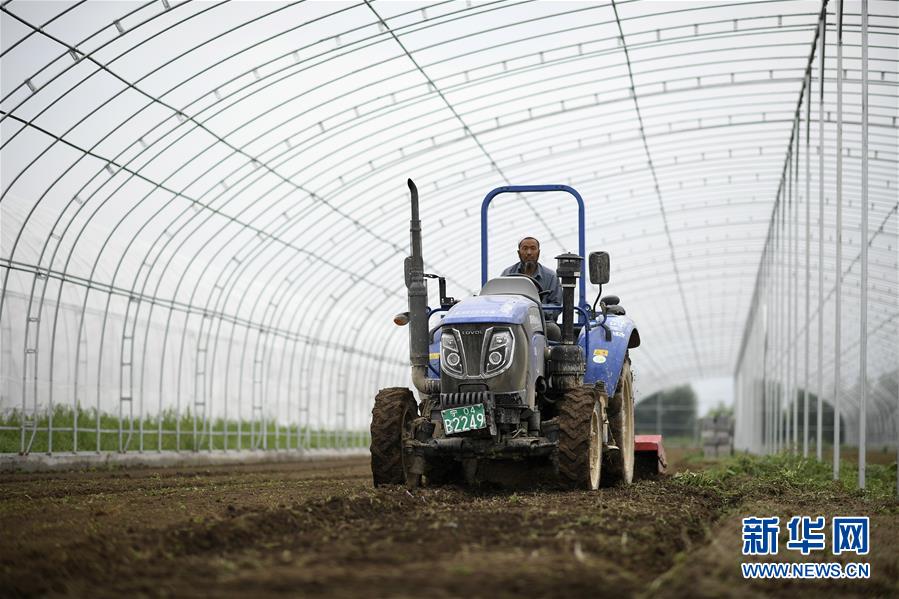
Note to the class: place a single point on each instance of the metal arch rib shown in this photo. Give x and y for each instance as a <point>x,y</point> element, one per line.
<point>655,179</point>
<point>458,117</point>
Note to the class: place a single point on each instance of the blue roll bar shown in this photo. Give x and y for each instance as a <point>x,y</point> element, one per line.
<point>538,188</point>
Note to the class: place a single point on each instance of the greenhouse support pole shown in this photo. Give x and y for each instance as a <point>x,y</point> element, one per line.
<point>766,380</point>
<point>775,349</point>
<point>791,289</point>
<point>794,397</point>
<point>838,265</point>
<point>808,233</point>
<point>863,317</point>
<point>769,327</point>
<point>819,431</point>
<point>794,287</point>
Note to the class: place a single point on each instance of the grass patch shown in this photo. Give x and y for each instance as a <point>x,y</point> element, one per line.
<point>747,475</point>
<point>165,432</point>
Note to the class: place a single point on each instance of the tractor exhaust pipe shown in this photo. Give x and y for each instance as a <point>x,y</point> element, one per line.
<point>568,267</point>
<point>417,290</point>
<point>567,365</point>
<point>568,314</point>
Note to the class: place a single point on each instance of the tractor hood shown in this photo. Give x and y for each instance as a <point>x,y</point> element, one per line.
<point>508,309</point>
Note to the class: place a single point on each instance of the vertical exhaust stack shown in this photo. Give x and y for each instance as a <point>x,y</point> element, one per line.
<point>417,290</point>
<point>568,267</point>
<point>567,364</point>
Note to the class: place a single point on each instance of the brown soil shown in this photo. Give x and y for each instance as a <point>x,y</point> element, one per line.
<point>321,529</point>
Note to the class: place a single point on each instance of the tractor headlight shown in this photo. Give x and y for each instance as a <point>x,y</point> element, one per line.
<point>499,351</point>
<point>451,353</point>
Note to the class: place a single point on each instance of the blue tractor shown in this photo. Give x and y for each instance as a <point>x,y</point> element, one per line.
<point>500,382</point>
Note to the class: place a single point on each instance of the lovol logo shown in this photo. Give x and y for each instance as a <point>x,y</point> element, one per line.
<point>472,332</point>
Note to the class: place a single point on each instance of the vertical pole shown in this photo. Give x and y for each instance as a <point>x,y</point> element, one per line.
<point>764,356</point>
<point>780,320</point>
<point>758,382</point>
<point>775,337</point>
<point>820,414</point>
<point>767,349</point>
<point>863,318</point>
<point>808,232</point>
<point>772,338</point>
<point>788,288</point>
<point>797,198</point>
<point>50,401</point>
<point>784,310</point>
<point>141,408</point>
<point>838,265</point>
<point>75,402</point>
<point>794,398</point>
<point>767,341</point>
<point>99,391</point>
<point>785,315</point>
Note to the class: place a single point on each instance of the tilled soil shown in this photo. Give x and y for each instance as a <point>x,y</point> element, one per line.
<point>321,529</point>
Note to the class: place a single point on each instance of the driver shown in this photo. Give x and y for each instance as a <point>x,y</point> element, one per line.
<point>528,254</point>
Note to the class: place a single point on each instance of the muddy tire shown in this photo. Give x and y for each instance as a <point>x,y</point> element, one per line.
<point>391,422</point>
<point>618,467</point>
<point>580,439</point>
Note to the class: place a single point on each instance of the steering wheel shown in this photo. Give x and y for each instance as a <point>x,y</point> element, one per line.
<point>541,293</point>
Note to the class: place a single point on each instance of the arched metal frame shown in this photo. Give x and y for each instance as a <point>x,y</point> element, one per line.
<point>204,213</point>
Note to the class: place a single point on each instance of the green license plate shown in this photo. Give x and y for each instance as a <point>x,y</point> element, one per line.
<point>466,418</point>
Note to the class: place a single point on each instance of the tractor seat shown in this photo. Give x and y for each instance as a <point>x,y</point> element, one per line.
<point>613,305</point>
<point>511,286</point>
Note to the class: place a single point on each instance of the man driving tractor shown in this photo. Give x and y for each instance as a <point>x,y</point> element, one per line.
<point>528,255</point>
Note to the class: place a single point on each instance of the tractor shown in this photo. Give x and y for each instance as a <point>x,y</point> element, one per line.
<point>500,382</point>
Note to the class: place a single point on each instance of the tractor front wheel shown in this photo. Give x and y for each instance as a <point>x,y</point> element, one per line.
<point>580,438</point>
<point>391,423</point>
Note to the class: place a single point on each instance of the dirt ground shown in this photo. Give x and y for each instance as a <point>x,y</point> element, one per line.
<point>321,529</point>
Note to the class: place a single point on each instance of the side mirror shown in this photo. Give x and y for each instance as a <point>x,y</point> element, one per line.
<point>599,268</point>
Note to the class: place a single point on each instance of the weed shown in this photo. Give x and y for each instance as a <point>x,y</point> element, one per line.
<point>745,474</point>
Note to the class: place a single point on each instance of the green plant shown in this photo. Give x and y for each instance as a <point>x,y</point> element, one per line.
<point>168,431</point>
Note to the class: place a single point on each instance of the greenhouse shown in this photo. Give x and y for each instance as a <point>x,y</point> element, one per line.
<point>205,212</point>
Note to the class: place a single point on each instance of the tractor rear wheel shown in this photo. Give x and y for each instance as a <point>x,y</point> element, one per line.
<point>391,423</point>
<point>580,438</point>
<point>618,467</point>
